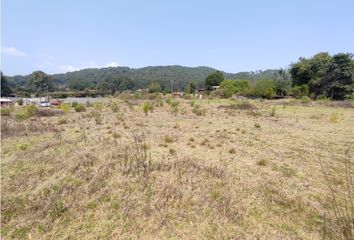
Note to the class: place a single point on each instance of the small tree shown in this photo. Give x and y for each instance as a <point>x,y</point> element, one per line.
<point>214,79</point>
<point>191,87</point>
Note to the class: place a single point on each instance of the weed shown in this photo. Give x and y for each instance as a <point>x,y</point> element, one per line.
<point>262,163</point>
<point>232,151</point>
<point>115,107</point>
<point>169,139</point>
<point>257,125</point>
<point>6,111</point>
<point>98,106</point>
<point>62,121</point>
<point>172,151</point>
<point>147,106</point>
<point>198,110</point>
<point>65,107</point>
<point>74,104</point>
<point>80,108</point>
<point>334,117</point>
<point>26,112</point>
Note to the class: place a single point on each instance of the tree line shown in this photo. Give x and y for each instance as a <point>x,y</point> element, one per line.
<point>321,76</point>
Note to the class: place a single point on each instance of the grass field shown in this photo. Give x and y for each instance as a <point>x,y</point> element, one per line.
<point>187,169</point>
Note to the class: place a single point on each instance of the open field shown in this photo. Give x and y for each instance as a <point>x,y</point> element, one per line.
<point>188,169</point>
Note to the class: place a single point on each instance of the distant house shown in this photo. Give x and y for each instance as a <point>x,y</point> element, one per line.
<point>215,88</point>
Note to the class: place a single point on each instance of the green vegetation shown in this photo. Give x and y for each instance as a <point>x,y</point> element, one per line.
<point>231,87</point>
<point>80,108</point>
<point>330,76</point>
<point>214,79</point>
<point>147,107</point>
<point>322,75</point>
<point>26,112</point>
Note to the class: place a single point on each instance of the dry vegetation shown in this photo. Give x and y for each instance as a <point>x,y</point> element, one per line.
<point>180,169</point>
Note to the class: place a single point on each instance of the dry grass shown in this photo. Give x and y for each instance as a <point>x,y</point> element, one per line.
<point>215,176</point>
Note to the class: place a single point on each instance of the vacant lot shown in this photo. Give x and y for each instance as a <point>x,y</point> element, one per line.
<point>184,169</point>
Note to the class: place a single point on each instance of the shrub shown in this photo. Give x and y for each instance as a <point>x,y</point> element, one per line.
<point>192,103</point>
<point>231,87</point>
<point>65,107</point>
<point>115,107</point>
<point>334,117</point>
<point>80,108</point>
<point>74,104</point>
<point>174,106</point>
<point>147,106</point>
<point>263,88</point>
<point>26,112</point>
<point>6,111</point>
<point>257,125</point>
<point>232,151</point>
<point>198,110</point>
<point>244,105</point>
<point>305,99</point>
<point>98,106</point>
<point>262,163</point>
<point>168,139</point>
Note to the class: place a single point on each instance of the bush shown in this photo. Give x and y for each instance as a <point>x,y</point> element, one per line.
<point>231,87</point>
<point>243,105</point>
<point>65,107</point>
<point>198,110</point>
<point>263,88</point>
<point>74,104</point>
<point>80,108</point>
<point>98,106</point>
<point>305,99</point>
<point>26,112</point>
<point>147,106</point>
<point>115,107</point>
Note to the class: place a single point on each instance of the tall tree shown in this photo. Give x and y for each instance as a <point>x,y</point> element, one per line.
<point>39,82</point>
<point>214,79</point>
<point>338,83</point>
<point>282,82</point>
<point>5,88</point>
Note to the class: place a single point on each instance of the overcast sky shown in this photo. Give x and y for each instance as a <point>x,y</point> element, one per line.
<point>62,35</point>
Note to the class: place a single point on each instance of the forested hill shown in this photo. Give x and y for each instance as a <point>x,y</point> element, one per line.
<point>140,77</point>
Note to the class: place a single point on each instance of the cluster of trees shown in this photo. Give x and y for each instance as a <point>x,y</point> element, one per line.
<point>321,76</point>
<point>324,75</point>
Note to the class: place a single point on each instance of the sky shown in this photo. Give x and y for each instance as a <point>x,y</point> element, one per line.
<point>230,35</point>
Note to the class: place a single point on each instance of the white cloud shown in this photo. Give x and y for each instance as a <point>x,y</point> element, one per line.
<point>91,64</point>
<point>13,52</point>
<point>69,68</point>
<point>112,64</point>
